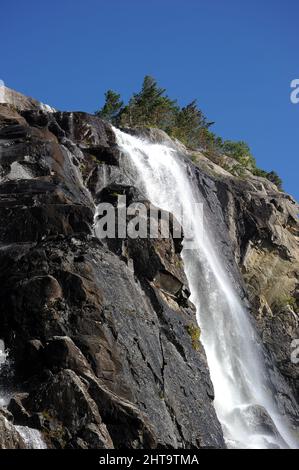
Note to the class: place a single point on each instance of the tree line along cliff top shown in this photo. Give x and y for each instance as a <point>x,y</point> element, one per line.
<point>152,107</point>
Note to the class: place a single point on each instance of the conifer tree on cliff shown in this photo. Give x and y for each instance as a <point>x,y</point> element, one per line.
<point>112,106</point>
<point>150,107</point>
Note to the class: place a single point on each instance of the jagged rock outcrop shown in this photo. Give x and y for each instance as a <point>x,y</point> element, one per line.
<point>18,101</point>
<point>9,436</point>
<point>102,339</point>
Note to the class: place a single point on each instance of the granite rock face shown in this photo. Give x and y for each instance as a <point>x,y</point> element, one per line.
<point>100,334</point>
<point>9,436</point>
<point>263,233</point>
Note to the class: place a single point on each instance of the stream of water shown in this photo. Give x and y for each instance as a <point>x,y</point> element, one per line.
<point>244,401</point>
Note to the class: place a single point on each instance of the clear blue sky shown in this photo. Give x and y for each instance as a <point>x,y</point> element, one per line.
<point>236,57</point>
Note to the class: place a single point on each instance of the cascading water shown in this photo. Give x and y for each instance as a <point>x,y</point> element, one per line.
<point>244,401</point>
<point>32,437</point>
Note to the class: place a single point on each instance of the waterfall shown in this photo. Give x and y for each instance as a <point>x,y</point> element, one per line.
<point>32,437</point>
<point>244,399</point>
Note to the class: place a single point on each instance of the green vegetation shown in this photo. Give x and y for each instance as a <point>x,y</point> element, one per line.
<point>271,176</point>
<point>112,106</point>
<point>56,430</point>
<point>240,151</point>
<point>287,300</point>
<point>194,333</point>
<point>152,107</point>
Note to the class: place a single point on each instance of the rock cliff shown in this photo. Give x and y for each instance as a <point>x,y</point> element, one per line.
<point>101,338</point>
<point>263,230</point>
<point>104,349</point>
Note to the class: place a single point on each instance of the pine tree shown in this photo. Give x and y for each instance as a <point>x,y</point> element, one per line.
<point>112,106</point>
<point>240,151</point>
<point>190,120</point>
<point>150,107</point>
<point>274,178</point>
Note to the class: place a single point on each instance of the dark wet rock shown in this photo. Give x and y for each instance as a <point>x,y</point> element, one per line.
<point>62,353</point>
<point>17,409</point>
<point>57,398</point>
<point>154,259</point>
<point>98,333</point>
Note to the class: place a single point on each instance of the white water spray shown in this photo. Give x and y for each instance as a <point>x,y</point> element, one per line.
<point>244,402</point>
<point>32,437</point>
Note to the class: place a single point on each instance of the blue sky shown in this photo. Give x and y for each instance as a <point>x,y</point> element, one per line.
<point>237,58</point>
